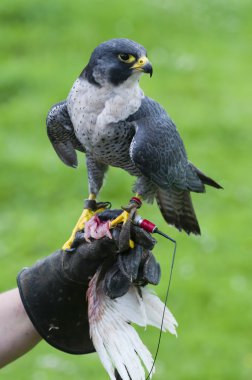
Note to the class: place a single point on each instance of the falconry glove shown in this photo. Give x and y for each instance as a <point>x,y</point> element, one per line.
<point>54,289</point>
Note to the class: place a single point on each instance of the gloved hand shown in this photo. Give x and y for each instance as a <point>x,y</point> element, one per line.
<point>53,290</point>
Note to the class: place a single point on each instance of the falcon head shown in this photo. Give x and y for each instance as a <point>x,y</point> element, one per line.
<point>115,61</point>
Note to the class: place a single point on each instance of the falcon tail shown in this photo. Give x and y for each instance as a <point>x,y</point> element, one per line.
<point>177,209</point>
<point>205,179</point>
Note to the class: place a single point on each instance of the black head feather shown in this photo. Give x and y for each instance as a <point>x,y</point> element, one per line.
<point>105,66</point>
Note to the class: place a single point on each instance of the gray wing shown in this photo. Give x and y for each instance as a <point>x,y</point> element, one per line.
<point>158,150</point>
<point>61,134</point>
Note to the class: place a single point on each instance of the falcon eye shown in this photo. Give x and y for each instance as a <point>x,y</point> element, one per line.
<point>126,58</point>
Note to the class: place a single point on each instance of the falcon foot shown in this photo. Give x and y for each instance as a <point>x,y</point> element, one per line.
<point>126,217</point>
<point>90,209</point>
<point>85,216</point>
<point>97,228</point>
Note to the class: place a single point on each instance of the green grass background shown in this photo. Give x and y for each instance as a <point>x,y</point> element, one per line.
<point>202,57</point>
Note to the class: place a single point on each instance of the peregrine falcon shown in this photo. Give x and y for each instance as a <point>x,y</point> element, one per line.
<point>107,116</point>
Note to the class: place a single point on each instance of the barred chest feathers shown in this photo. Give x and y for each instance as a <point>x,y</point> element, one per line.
<point>93,110</point>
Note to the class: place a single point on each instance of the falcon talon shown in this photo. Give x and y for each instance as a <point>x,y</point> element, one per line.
<point>104,205</point>
<point>129,208</point>
<point>92,205</point>
<point>70,250</point>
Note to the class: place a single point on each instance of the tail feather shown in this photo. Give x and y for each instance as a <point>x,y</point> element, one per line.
<point>177,209</point>
<point>205,179</point>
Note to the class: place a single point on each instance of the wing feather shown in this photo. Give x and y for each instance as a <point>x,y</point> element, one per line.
<point>61,134</point>
<point>158,150</point>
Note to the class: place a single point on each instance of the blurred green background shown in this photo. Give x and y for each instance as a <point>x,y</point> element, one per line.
<point>202,60</point>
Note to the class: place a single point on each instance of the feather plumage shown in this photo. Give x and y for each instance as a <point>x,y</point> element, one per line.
<point>115,339</point>
<point>107,116</point>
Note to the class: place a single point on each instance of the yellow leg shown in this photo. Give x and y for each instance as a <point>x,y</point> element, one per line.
<point>126,215</point>
<point>139,197</point>
<point>92,197</point>
<point>122,218</point>
<point>85,216</point>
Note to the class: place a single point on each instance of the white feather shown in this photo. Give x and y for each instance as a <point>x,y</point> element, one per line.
<point>115,339</point>
<point>94,109</point>
<point>132,307</point>
<point>154,310</point>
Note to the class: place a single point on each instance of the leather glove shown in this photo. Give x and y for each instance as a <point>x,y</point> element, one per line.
<point>53,290</point>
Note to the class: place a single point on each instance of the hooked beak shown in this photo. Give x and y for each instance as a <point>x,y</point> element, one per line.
<point>144,65</point>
